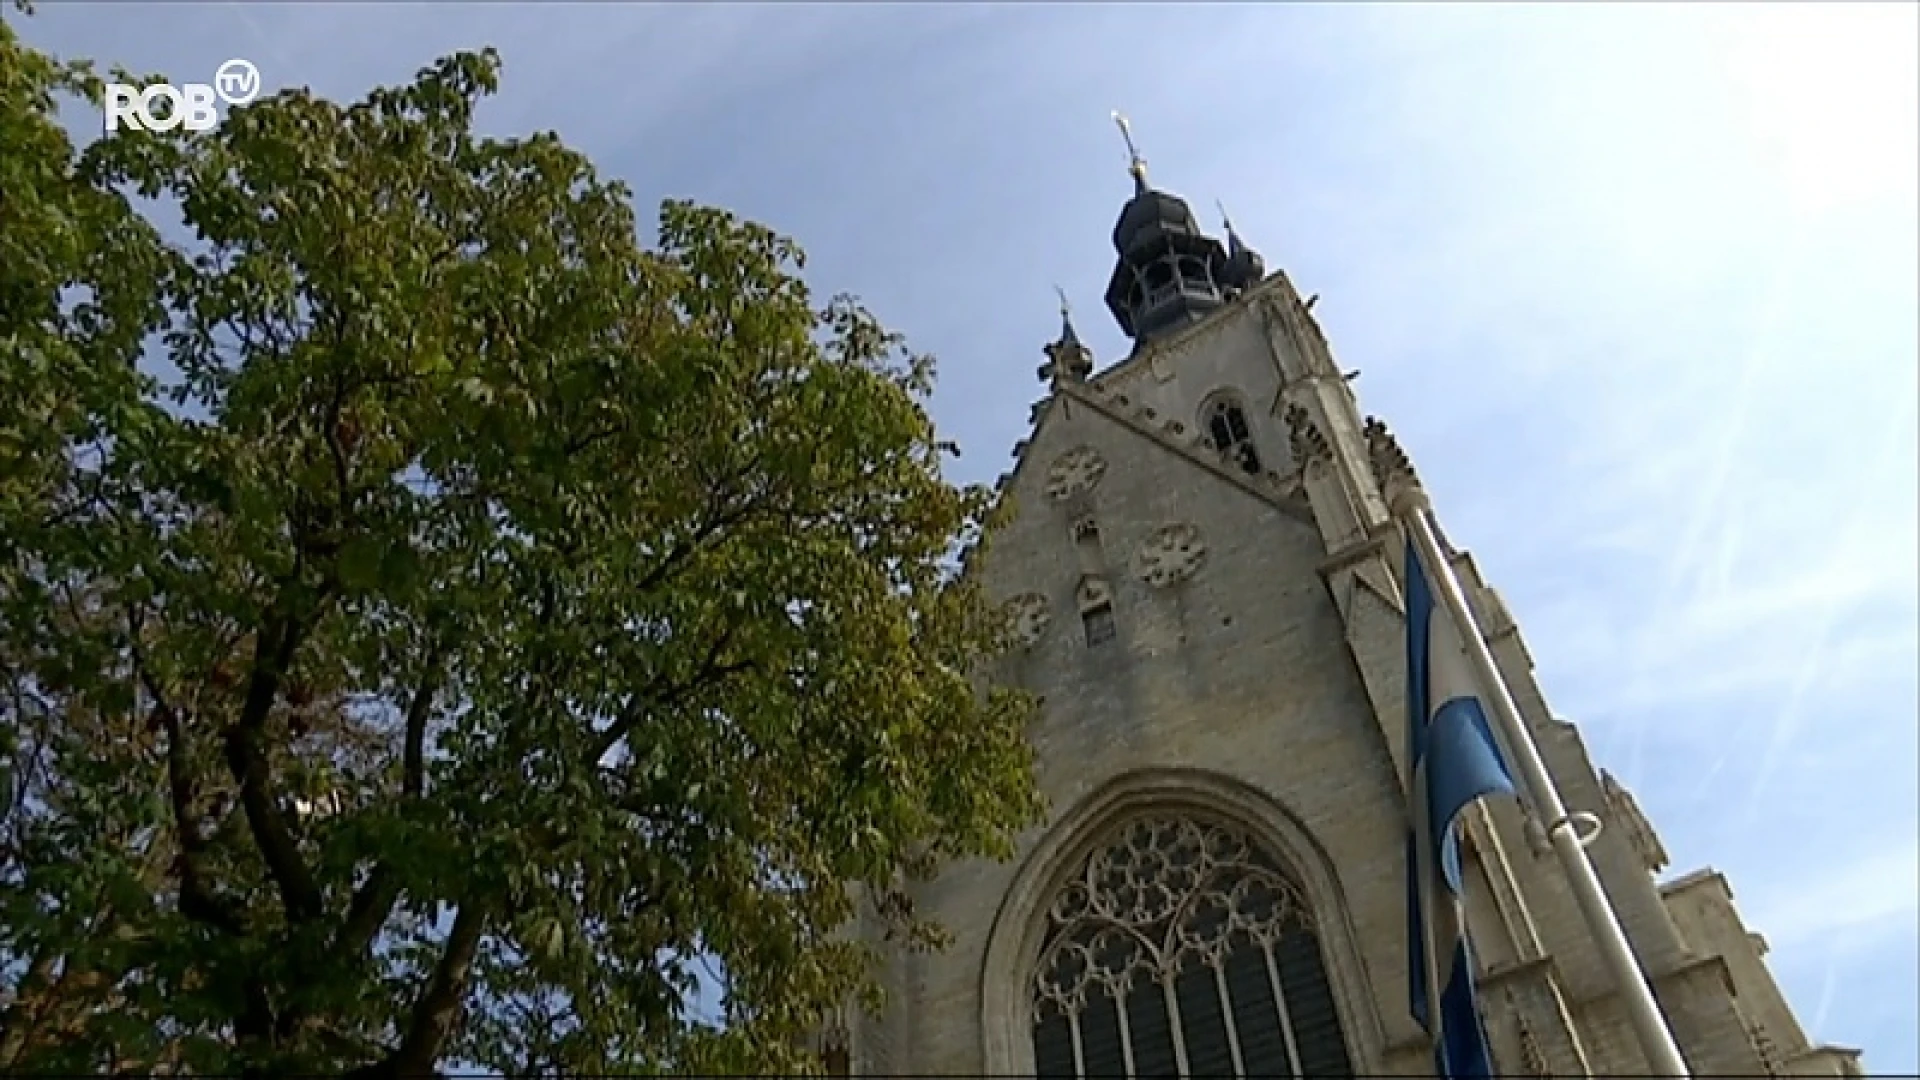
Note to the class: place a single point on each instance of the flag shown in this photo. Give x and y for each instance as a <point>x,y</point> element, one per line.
<point>1455,762</point>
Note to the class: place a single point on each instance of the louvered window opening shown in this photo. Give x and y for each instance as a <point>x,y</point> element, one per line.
<point>1181,949</point>
<point>1227,426</point>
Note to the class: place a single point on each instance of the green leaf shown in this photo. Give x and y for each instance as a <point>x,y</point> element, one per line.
<point>361,560</point>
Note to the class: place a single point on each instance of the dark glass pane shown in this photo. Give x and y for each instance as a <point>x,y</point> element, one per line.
<point>1316,1021</point>
<point>1256,1019</point>
<point>1053,1048</point>
<point>1241,995</point>
<point>1151,1033</point>
<point>1237,423</point>
<point>1222,434</point>
<point>1099,624</point>
<point>1100,1040</point>
<point>1249,461</point>
<point>1203,1023</point>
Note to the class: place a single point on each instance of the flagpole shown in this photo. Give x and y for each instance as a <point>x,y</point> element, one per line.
<point>1411,508</point>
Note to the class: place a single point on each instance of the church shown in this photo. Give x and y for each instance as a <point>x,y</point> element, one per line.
<point>1201,577</point>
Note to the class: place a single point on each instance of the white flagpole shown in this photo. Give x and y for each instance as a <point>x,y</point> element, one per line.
<point>1412,509</point>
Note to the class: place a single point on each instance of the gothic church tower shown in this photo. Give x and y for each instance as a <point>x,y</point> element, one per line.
<point>1203,579</point>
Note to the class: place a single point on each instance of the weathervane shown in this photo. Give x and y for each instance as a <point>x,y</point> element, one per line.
<point>1066,309</point>
<point>1136,164</point>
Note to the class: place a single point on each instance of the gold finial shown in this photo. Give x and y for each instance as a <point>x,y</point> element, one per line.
<point>1136,164</point>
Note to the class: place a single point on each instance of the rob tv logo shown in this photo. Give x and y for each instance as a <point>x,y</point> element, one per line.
<point>164,107</point>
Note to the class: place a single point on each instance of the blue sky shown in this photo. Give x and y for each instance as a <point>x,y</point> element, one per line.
<point>1635,284</point>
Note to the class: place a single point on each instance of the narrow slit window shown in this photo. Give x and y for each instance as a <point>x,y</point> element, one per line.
<point>1098,620</point>
<point>1086,541</point>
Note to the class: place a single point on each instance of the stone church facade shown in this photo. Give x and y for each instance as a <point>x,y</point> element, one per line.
<point>1202,579</point>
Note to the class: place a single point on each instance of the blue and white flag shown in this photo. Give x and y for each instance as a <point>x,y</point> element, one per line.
<point>1455,761</point>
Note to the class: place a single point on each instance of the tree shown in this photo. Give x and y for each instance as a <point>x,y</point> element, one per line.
<point>461,618</point>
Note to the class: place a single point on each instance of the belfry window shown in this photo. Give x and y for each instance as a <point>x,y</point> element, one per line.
<point>1227,427</point>
<point>1160,282</point>
<point>1181,949</point>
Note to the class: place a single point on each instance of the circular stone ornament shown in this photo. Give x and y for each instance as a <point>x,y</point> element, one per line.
<point>1028,617</point>
<point>1075,472</point>
<point>1171,555</point>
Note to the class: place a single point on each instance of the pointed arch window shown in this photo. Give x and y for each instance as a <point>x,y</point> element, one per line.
<point>1230,434</point>
<point>1096,610</point>
<point>1182,949</point>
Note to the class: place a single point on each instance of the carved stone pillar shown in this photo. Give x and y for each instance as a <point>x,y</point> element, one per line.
<point>1340,526</point>
<point>1528,1023</point>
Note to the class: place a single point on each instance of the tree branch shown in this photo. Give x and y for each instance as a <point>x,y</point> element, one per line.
<point>247,761</point>
<point>373,902</point>
<point>413,771</point>
<point>438,1009</point>
<point>711,671</point>
<point>198,901</point>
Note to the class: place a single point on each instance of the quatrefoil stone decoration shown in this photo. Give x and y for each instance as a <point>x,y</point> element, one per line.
<point>1171,555</point>
<point>1075,472</point>
<point>1028,618</point>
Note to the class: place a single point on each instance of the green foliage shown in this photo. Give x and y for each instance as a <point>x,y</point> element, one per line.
<point>481,616</point>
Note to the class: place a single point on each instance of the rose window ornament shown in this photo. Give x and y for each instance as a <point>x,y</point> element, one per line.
<point>1170,555</point>
<point>1028,618</point>
<point>1075,472</point>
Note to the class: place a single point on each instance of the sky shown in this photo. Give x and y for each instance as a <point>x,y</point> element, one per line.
<point>1636,285</point>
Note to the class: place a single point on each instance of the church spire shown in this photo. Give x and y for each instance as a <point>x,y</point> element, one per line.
<point>1136,165</point>
<point>1067,334</point>
<point>1068,360</point>
<point>1245,267</point>
<point>1169,274</point>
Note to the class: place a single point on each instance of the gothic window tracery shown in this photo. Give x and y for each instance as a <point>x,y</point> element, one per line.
<point>1182,949</point>
<point>1227,429</point>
